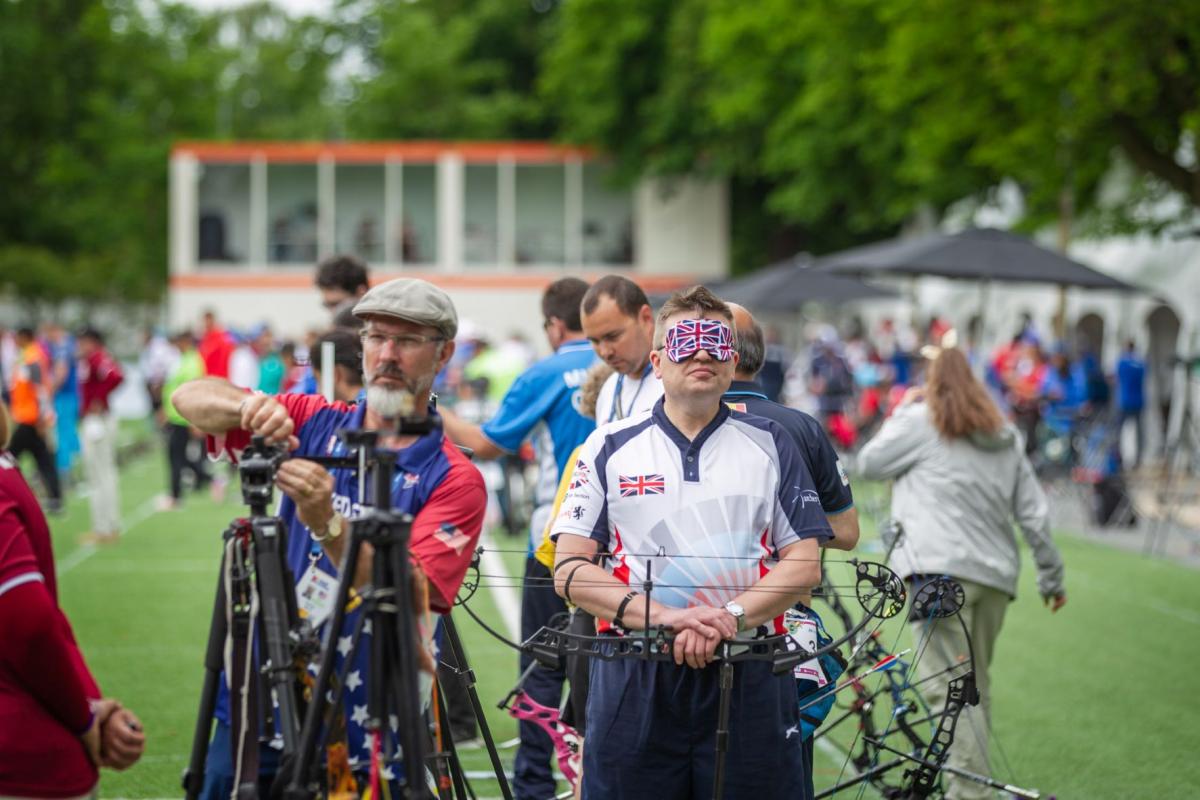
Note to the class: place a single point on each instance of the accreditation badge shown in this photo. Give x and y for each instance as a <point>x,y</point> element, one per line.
<point>801,628</point>
<point>316,593</point>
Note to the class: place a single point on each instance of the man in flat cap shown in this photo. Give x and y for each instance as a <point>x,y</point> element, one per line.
<point>408,336</point>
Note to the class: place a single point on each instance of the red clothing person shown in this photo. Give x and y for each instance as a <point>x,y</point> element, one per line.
<point>45,686</point>
<point>215,348</point>
<point>48,697</point>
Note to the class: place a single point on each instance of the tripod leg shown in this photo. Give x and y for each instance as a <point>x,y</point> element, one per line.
<point>467,676</point>
<point>726,697</point>
<point>456,769</point>
<point>277,599</point>
<point>402,630</point>
<point>300,784</point>
<point>193,776</point>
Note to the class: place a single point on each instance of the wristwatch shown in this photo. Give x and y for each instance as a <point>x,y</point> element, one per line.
<point>333,529</point>
<point>739,614</point>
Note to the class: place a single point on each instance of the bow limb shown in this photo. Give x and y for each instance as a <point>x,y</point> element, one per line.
<point>568,744</point>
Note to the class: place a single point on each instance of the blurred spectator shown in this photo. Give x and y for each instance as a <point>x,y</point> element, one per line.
<point>342,280</point>
<point>185,450</point>
<point>492,370</point>
<point>1063,394</point>
<point>831,380</point>
<point>30,394</point>
<point>961,481</point>
<point>243,363</point>
<point>216,346</point>
<point>1023,374</point>
<point>55,730</point>
<point>1090,375</point>
<point>775,364</point>
<point>270,366</point>
<point>1131,396</point>
<point>156,359</point>
<point>8,360</point>
<point>347,363</point>
<point>294,371</point>
<point>65,377</point>
<point>99,376</point>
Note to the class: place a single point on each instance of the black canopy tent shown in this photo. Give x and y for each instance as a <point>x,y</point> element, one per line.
<point>985,255</point>
<point>972,254</point>
<point>788,285</point>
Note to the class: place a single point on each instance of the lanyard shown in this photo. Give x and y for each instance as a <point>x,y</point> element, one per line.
<point>616,411</point>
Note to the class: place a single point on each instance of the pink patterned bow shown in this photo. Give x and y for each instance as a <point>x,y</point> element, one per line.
<point>568,744</point>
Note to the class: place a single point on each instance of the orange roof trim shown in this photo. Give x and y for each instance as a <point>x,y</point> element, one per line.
<point>378,152</point>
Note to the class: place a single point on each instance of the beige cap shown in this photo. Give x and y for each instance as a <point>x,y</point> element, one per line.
<point>411,299</point>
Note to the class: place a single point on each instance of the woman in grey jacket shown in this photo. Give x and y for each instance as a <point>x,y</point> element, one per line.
<point>961,481</point>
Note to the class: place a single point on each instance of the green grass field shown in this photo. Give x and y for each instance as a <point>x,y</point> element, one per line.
<point>1094,702</point>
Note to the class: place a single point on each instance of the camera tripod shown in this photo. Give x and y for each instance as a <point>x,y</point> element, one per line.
<point>393,690</point>
<point>255,583</point>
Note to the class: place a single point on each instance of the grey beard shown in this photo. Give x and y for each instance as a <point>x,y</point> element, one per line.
<point>390,403</point>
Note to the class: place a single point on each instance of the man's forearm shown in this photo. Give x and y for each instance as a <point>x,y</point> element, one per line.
<point>845,529</point>
<point>466,434</point>
<point>592,588</point>
<point>211,404</point>
<point>788,582</point>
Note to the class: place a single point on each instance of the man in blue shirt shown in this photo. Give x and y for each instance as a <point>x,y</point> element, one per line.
<point>1131,395</point>
<point>544,401</point>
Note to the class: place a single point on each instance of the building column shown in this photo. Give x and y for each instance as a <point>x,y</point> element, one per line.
<point>450,212</point>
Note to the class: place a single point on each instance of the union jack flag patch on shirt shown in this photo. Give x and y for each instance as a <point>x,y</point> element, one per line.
<point>631,485</point>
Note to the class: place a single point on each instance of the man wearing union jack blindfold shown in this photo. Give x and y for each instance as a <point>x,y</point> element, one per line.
<point>706,504</point>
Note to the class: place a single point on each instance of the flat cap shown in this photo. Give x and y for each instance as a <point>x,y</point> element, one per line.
<point>411,299</point>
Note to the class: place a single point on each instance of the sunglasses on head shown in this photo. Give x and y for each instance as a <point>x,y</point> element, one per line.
<point>689,336</point>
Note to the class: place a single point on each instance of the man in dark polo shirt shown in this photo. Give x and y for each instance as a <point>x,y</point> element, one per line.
<point>745,394</point>
<point>829,477</point>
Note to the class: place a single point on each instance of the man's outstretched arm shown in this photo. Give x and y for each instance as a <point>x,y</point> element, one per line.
<point>215,405</point>
<point>468,434</point>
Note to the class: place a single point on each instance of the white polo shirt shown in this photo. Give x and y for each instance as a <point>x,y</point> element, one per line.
<point>708,517</point>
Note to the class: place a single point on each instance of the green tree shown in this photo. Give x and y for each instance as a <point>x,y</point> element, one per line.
<point>459,69</point>
<point>99,93</point>
<point>1046,93</point>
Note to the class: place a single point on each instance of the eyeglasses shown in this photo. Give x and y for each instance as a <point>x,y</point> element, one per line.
<point>404,342</point>
<point>547,322</point>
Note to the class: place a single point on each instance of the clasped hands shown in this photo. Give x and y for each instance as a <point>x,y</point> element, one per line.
<point>115,738</point>
<point>698,630</point>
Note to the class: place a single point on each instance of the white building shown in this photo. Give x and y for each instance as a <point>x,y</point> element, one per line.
<point>491,222</point>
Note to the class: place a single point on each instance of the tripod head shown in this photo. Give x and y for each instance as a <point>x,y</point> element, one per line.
<point>257,467</point>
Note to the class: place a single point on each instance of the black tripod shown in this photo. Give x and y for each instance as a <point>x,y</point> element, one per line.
<point>393,693</point>
<point>254,581</point>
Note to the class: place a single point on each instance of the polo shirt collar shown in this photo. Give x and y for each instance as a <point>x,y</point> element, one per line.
<point>746,388</point>
<point>573,345</point>
<point>689,451</point>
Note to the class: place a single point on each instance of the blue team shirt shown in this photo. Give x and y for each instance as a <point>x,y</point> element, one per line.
<point>1131,383</point>
<point>433,481</point>
<point>544,401</point>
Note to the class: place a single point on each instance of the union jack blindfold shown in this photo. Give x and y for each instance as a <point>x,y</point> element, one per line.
<point>689,336</point>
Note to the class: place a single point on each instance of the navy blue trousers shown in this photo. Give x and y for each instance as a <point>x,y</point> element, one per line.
<point>652,733</point>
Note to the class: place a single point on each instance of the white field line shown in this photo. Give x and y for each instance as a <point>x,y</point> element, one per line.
<point>85,551</point>
<point>508,602</point>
